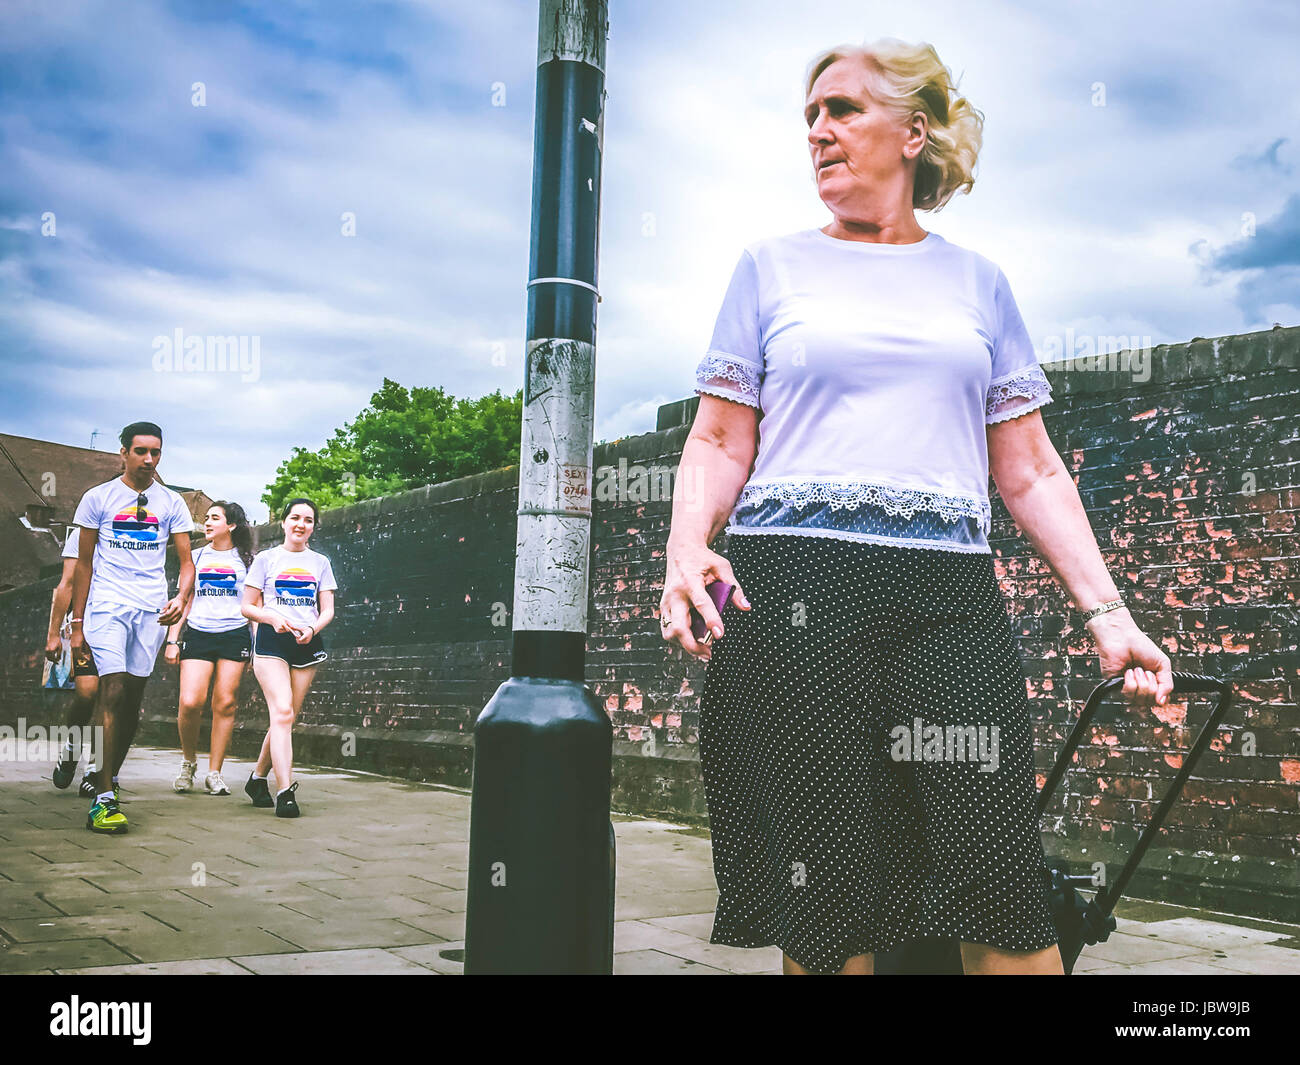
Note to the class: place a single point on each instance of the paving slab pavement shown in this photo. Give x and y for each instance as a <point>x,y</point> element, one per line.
<point>371,879</point>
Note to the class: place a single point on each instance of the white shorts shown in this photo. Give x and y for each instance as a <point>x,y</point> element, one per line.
<point>123,639</point>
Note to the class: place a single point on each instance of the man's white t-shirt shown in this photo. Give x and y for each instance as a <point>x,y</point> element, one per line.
<point>877,369</point>
<point>129,566</point>
<point>290,582</point>
<point>218,586</point>
<point>72,542</point>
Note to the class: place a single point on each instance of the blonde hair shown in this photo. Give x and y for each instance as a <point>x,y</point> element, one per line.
<point>906,78</point>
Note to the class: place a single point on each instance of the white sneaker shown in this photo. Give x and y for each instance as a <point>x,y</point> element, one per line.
<point>214,784</point>
<point>185,778</point>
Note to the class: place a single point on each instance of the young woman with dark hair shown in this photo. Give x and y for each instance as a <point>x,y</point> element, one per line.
<point>289,593</point>
<point>211,642</point>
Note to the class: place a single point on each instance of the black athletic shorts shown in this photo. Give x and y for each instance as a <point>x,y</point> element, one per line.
<point>88,670</point>
<point>231,646</point>
<point>282,645</point>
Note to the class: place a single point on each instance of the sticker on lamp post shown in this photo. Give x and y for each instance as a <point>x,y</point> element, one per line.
<point>554,530</point>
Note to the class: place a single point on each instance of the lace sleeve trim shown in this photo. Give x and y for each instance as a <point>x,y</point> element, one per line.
<point>892,499</point>
<point>725,393</point>
<point>1007,413</point>
<point>1028,383</point>
<point>748,378</point>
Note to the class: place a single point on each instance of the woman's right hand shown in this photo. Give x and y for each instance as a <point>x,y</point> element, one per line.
<point>691,567</point>
<point>172,655</point>
<point>282,625</point>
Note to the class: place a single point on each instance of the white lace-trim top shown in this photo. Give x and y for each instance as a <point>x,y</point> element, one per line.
<point>877,369</point>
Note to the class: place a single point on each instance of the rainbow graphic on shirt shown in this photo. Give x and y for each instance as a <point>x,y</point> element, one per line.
<point>216,580</point>
<point>295,586</point>
<point>126,526</point>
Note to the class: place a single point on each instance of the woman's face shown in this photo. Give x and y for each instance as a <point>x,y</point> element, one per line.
<point>299,524</point>
<point>214,523</point>
<point>856,148</point>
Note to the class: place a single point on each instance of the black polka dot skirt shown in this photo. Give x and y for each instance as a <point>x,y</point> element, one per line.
<point>867,754</point>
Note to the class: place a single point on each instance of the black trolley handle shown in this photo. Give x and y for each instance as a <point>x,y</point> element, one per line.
<point>1183,682</point>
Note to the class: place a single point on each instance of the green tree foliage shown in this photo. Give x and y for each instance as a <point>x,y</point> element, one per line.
<point>403,439</point>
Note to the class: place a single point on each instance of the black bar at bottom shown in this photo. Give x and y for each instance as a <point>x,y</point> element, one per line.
<point>555,655</point>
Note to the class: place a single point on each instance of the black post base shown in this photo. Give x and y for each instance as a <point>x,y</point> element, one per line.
<point>540,894</point>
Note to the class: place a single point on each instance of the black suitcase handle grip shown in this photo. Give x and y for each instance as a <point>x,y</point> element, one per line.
<point>1183,682</point>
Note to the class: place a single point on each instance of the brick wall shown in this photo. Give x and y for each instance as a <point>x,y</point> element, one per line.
<point>1190,481</point>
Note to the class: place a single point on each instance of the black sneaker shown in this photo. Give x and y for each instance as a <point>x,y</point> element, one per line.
<point>259,791</point>
<point>64,772</point>
<point>89,790</point>
<point>285,804</point>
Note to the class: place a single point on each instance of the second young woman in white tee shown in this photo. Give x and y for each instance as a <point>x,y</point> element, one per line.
<point>289,593</point>
<point>212,643</point>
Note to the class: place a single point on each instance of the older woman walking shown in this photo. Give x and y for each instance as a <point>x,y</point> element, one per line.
<point>893,374</point>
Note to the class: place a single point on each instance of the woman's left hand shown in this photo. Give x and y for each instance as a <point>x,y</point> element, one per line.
<point>304,634</point>
<point>1123,648</point>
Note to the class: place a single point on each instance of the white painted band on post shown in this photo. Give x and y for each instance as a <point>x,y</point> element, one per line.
<point>565,281</point>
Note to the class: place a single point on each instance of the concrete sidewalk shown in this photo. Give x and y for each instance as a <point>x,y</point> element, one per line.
<point>371,879</point>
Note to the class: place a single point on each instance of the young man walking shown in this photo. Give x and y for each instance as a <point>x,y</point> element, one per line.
<point>119,598</point>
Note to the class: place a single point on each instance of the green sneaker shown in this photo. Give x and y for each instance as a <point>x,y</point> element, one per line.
<point>106,817</point>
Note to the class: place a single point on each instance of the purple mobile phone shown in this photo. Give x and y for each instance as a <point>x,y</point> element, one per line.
<point>720,593</point>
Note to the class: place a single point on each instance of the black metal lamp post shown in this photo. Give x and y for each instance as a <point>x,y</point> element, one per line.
<point>541,859</point>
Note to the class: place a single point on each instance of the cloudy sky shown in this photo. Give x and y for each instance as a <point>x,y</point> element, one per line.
<point>1140,177</point>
